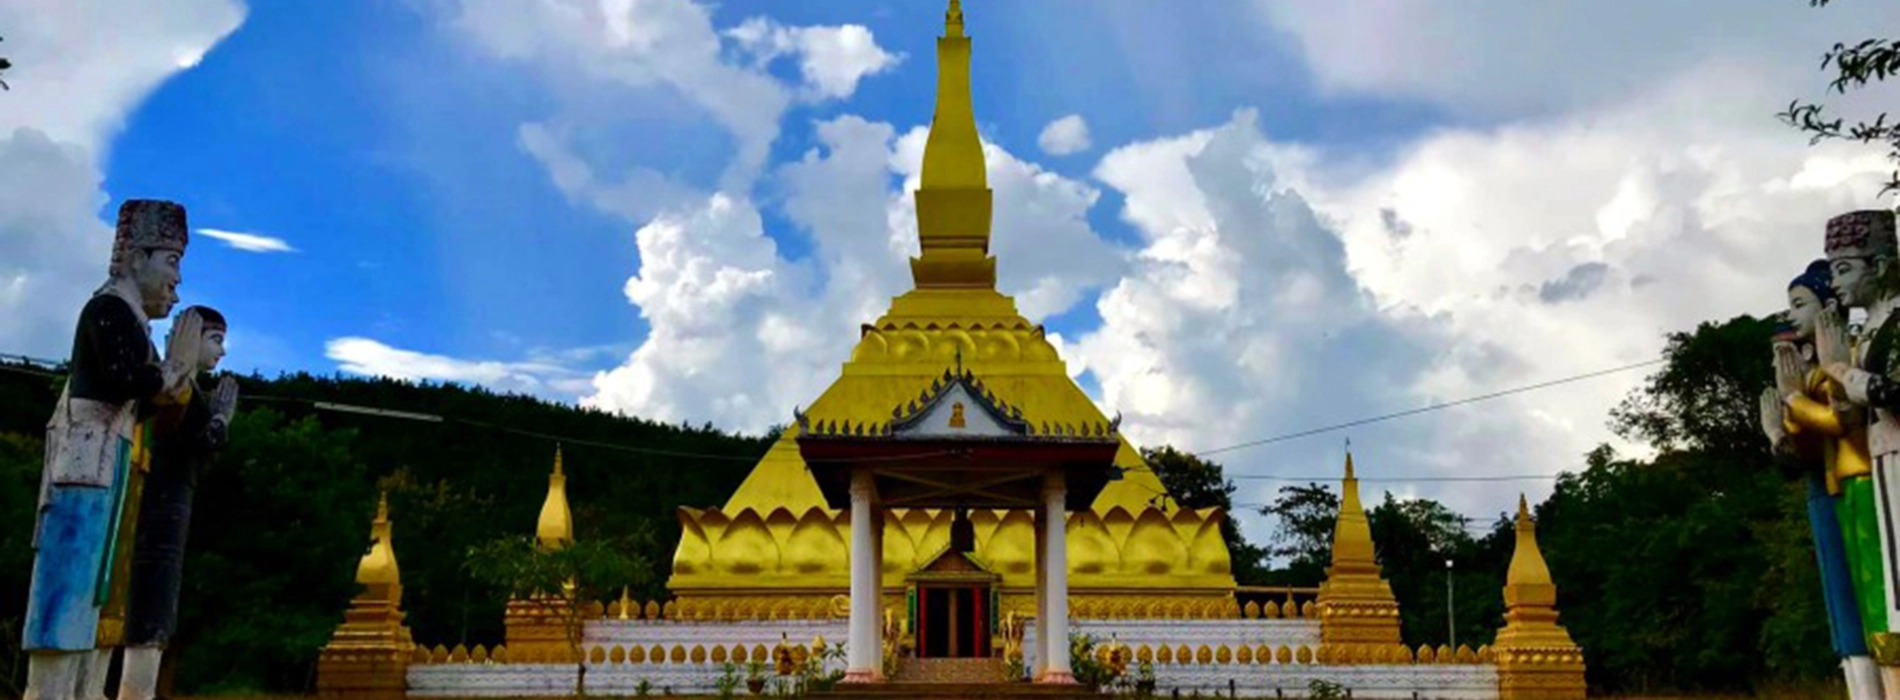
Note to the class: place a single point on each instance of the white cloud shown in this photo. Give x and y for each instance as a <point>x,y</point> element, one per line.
<point>79,70</point>
<point>548,378</point>
<point>641,193</point>
<point>739,335</point>
<point>622,44</point>
<point>1277,291</point>
<point>1549,58</point>
<point>830,59</point>
<point>250,242</point>
<point>1064,136</point>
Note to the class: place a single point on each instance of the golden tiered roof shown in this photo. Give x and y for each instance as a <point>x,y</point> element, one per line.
<point>775,534</point>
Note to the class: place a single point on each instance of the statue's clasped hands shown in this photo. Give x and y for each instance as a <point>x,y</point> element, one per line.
<point>1830,343</point>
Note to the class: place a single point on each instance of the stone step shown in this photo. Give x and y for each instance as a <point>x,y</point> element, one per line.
<point>967,670</point>
<point>946,691</point>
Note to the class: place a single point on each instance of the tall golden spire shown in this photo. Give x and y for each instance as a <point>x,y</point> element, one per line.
<point>953,205</point>
<point>1358,613</point>
<point>556,525</point>
<point>1536,657</point>
<point>1352,534</point>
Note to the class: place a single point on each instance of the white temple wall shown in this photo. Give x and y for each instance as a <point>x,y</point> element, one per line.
<point>1447,681</point>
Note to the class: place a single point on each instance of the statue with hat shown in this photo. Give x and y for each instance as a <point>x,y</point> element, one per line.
<point>185,437</point>
<point>1822,438</point>
<point>93,444</point>
<point>1864,257</point>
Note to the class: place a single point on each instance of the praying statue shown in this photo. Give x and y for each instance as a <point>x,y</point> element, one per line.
<point>185,437</point>
<point>90,444</point>
<point>1814,428</point>
<point>1861,249</point>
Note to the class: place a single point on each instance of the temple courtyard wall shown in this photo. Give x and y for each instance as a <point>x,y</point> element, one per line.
<point>1254,657</point>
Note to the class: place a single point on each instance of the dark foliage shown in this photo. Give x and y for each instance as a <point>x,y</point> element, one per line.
<point>283,515</point>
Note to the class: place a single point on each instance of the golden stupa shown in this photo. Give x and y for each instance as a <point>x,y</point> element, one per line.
<point>776,538</point>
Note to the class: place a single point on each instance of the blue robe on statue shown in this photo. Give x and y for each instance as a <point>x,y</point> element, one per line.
<point>88,451</point>
<point>1837,582</point>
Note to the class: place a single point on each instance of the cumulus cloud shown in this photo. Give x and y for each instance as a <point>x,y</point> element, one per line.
<point>250,242</point>
<point>1239,311</point>
<point>549,378</point>
<point>1064,136</point>
<point>831,59</point>
<point>80,68</point>
<point>1273,282</point>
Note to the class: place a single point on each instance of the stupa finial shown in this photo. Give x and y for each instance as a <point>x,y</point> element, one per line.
<point>953,204</point>
<point>953,19</point>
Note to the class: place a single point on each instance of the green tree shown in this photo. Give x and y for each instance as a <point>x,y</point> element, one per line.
<point>1705,544</point>
<point>1413,539</point>
<point>565,582</point>
<point>1304,539</point>
<point>1198,483</point>
<point>1854,66</point>
<point>280,520</point>
<point>20,461</point>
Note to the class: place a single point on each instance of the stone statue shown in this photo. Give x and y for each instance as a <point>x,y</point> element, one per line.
<point>115,372</point>
<point>1825,437</point>
<point>184,438</point>
<point>1861,250</point>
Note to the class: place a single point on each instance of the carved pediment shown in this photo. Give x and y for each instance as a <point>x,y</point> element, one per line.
<point>957,404</point>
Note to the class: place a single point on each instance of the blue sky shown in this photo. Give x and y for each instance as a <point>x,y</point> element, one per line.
<point>382,147</point>
<point>1289,213</point>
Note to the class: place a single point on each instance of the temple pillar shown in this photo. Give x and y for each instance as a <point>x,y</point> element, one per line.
<point>1055,588</point>
<point>863,664</point>
<point>1042,601</point>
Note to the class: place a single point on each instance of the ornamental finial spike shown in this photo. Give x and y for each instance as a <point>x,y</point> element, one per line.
<point>382,507</point>
<point>953,19</point>
<point>1349,474</point>
<point>1523,511</point>
<point>557,459</point>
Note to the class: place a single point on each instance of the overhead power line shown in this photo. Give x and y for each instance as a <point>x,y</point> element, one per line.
<point>1428,409</point>
<point>33,366</point>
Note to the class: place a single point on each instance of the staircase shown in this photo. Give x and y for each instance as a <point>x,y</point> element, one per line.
<point>918,690</point>
<point>945,679</point>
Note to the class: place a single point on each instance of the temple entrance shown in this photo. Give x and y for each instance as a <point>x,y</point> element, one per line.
<point>957,446</point>
<point>953,621</point>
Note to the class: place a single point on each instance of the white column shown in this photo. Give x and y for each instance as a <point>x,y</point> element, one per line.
<point>877,588</point>
<point>862,663</point>
<point>1056,566</point>
<point>1042,596</point>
